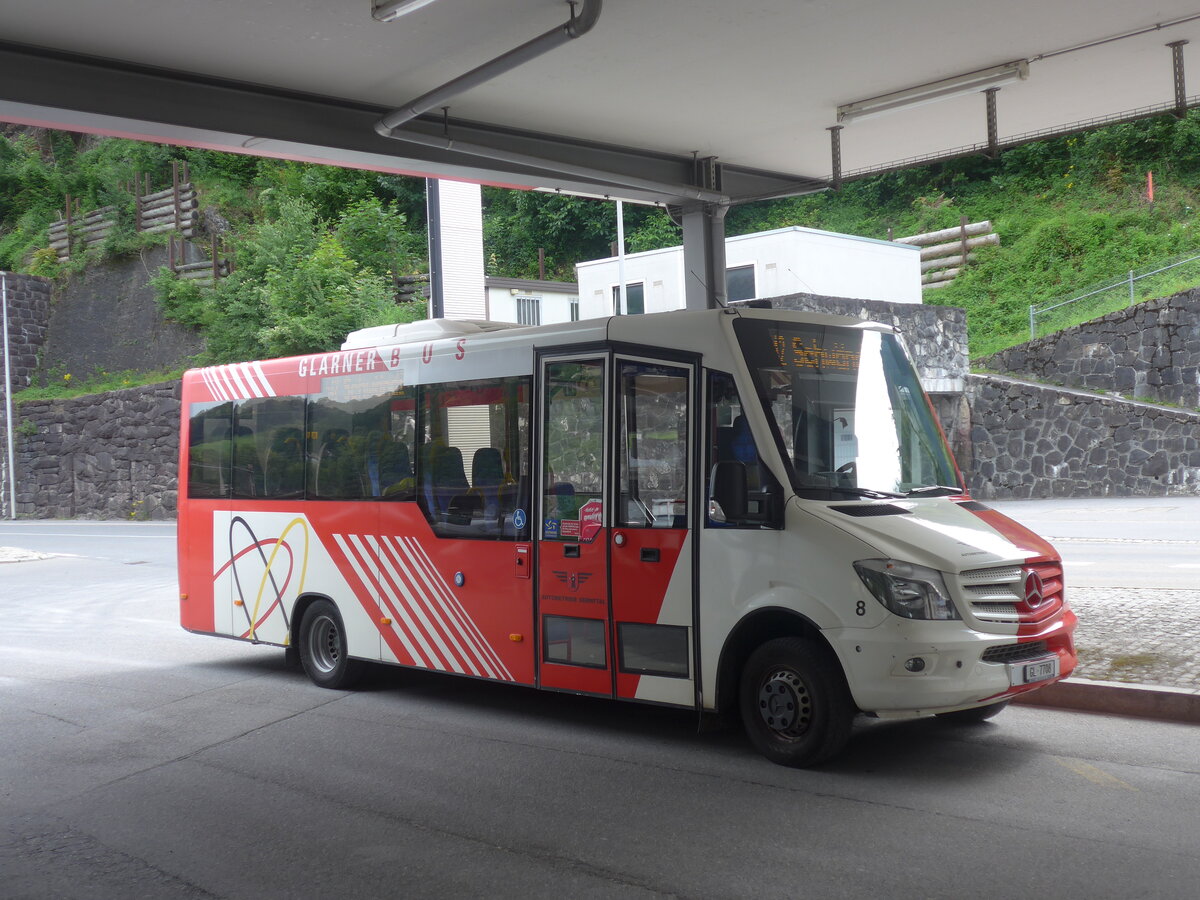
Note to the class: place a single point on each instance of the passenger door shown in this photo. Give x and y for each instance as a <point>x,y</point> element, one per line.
<point>651,546</point>
<point>574,623</point>
<point>614,538</point>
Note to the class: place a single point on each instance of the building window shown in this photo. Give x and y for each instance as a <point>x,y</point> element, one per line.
<point>574,308</point>
<point>635,299</point>
<point>529,310</point>
<point>739,283</point>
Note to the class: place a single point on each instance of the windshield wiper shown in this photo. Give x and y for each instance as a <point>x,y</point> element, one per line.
<point>933,490</point>
<point>866,493</point>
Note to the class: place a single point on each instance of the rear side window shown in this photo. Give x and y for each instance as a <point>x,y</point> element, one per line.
<point>210,447</point>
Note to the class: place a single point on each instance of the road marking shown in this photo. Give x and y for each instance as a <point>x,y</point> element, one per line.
<point>1092,774</point>
<point>1099,540</point>
<point>114,536</point>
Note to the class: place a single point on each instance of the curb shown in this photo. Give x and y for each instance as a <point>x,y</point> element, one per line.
<point>1117,698</point>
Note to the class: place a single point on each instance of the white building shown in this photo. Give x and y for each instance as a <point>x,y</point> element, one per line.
<point>767,264</point>
<point>528,301</point>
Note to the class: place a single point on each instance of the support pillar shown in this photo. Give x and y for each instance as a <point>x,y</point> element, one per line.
<point>704,256</point>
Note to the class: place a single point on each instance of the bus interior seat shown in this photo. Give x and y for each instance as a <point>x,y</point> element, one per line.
<point>449,477</point>
<point>284,465</point>
<point>395,470</point>
<point>487,478</point>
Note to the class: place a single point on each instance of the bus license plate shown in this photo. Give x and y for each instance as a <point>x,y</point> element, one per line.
<point>1032,672</point>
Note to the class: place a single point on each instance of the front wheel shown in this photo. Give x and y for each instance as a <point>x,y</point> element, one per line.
<point>795,706</point>
<point>323,651</point>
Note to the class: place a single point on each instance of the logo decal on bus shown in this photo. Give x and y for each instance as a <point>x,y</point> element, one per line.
<point>572,579</point>
<point>1035,590</point>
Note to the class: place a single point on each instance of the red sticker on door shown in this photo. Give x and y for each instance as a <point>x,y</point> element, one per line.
<point>591,514</point>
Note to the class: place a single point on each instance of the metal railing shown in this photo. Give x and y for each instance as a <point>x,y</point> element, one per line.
<point>1128,285</point>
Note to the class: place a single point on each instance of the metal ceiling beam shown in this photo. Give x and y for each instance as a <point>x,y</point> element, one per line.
<point>82,93</point>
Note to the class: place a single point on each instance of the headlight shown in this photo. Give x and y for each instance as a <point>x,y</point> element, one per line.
<point>913,592</point>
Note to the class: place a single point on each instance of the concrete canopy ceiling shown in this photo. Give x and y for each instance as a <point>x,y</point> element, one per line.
<point>754,83</point>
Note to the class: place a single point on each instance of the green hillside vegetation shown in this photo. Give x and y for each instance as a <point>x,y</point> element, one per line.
<point>316,248</point>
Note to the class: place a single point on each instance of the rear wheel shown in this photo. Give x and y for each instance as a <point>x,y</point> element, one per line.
<point>323,650</point>
<point>795,706</point>
<point>976,715</point>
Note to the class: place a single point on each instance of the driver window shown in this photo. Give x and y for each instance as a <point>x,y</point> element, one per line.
<point>731,441</point>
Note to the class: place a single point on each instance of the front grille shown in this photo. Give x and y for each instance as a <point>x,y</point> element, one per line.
<point>1010,653</point>
<point>998,594</point>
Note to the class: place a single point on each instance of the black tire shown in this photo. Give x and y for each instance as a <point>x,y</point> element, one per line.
<point>323,648</point>
<point>976,715</point>
<point>795,706</point>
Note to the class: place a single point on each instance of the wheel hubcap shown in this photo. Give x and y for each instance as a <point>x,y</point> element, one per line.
<point>324,644</point>
<point>784,703</point>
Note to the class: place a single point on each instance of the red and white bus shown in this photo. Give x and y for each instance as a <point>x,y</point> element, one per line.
<point>730,510</point>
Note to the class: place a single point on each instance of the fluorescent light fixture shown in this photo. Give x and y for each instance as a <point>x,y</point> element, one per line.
<point>391,10</point>
<point>957,86</point>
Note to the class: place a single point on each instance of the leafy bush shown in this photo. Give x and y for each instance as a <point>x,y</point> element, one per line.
<point>300,283</point>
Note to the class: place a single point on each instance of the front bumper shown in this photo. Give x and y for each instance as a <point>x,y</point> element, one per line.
<point>953,672</point>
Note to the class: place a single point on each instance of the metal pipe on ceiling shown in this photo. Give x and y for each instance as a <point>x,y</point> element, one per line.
<point>576,26</point>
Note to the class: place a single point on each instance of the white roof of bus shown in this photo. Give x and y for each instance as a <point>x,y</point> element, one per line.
<point>643,329</point>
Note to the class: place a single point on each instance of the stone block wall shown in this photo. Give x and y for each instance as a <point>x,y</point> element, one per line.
<point>106,456</point>
<point>106,319</point>
<point>1031,440</point>
<point>28,321</point>
<point>1150,351</point>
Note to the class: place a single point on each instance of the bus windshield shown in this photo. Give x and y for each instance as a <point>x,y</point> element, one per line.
<point>847,411</point>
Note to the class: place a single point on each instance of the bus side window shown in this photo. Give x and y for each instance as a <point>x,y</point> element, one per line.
<point>735,468</point>
<point>247,460</point>
<point>474,454</point>
<point>359,439</point>
<point>281,447</point>
<point>210,439</point>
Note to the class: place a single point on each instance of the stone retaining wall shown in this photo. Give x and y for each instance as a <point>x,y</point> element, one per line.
<point>1149,351</point>
<point>106,456</point>
<point>28,320</point>
<point>1032,440</point>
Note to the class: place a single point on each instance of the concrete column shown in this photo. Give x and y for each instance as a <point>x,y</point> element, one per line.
<point>458,246</point>
<point>704,256</point>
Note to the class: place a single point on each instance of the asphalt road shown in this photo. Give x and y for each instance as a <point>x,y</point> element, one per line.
<point>139,761</point>
<point>1127,542</point>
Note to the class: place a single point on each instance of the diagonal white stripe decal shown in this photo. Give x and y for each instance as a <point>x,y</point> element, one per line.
<point>442,592</point>
<point>214,386</point>
<point>366,582</point>
<point>243,390</point>
<point>262,376</point>
<point>428,583</point>
<point>230,388</point>
<point>410,632</point>
<point>402,593</point>
<point>245,375</point>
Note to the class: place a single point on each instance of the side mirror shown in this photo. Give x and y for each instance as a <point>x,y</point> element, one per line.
<point>727,491</point>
